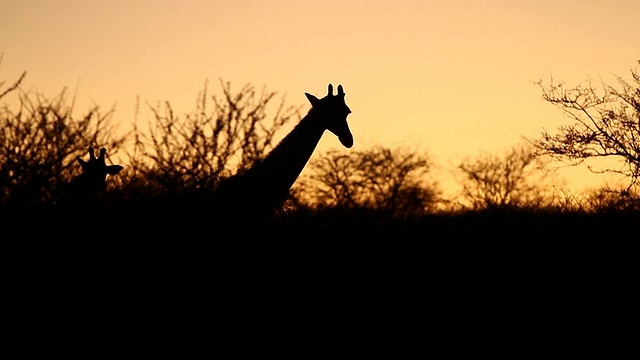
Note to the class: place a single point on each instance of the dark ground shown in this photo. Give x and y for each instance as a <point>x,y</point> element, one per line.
<point>482,286</point>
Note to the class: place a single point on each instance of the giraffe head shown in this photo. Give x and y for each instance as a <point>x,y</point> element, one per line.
<point>94,173</point>
<point>334,111</point>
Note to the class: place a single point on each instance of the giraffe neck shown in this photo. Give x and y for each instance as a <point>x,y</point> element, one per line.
<point>282,166</point>
<point>266,185</point>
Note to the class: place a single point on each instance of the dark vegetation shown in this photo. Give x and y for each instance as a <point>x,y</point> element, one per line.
<point>365,259</point>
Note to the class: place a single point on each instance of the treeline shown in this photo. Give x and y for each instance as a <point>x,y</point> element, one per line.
<point>183,158</point>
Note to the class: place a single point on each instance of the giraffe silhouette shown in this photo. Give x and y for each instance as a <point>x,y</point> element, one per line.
<point>265,185</point>
<point>92,181</point>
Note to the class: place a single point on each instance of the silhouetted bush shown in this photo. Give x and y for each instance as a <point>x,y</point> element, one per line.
<point>610,200</point>
<point>517,179</point>
<point>395,183</point>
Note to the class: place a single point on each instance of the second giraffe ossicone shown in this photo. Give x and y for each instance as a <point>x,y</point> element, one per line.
<point>266,185</point>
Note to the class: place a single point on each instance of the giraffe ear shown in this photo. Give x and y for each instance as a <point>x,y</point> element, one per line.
<point>114,169</point>
<point>312,99</point>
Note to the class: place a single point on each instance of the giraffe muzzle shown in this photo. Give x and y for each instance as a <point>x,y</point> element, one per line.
<point>346,141</point>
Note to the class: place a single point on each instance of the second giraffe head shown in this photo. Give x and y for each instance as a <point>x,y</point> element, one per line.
<point>334,110</point>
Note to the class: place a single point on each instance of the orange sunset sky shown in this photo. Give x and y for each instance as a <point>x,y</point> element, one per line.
<point>452,78</point>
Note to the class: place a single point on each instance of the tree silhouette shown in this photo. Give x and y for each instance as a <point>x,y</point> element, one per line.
<point>610,200</point>
<point>394,182</point>
<point>515,179</point>
<point>605,125</point>
<point>14,86</point>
